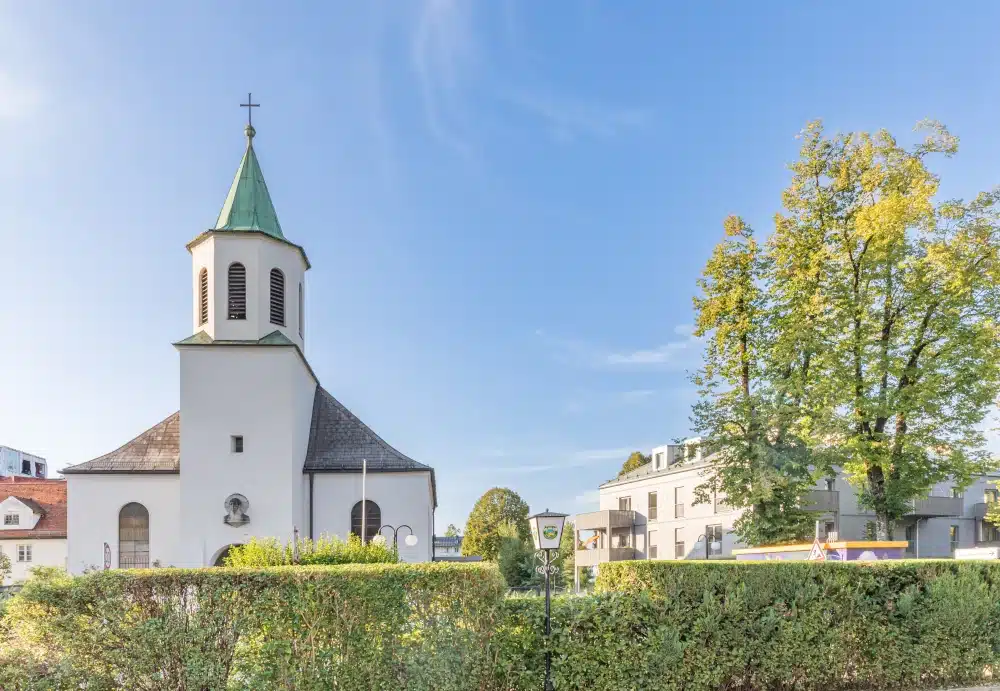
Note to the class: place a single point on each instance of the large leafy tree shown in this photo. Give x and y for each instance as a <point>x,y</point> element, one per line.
<point>499,514</point>
<point>906,304</point>
<point>867,329</point>
<point>636,459</point>
<point>751,393</point>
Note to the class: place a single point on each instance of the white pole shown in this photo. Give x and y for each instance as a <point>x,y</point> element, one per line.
<point>364,505</point>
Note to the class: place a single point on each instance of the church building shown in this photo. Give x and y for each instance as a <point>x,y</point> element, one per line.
<point>258,447</point>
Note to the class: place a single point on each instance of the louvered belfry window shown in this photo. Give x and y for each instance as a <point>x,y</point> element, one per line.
<point>277,297</point>
<point>237,291</point>
<point>203,297</point>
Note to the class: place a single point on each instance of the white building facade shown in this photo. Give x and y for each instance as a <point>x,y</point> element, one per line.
<point>258,448</point>
<point>650,513</point>
<point>32,525</point>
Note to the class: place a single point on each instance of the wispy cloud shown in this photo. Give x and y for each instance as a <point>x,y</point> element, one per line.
<point>568,119</point>
<point>676,354</point>
<point>564,460</point>
<point>443,50</point>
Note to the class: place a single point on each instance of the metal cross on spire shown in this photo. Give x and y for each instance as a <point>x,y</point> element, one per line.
<point>249,105</point>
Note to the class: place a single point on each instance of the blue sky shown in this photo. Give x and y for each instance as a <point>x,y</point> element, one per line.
<point>506,204</point>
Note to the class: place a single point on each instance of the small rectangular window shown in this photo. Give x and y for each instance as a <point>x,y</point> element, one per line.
<point>652,506</point>
<point>678,543</point>
<point>713,534</point>
<point>956,493</point>
<point>652,544</point>
<point>678,504</point>
<point>26,467</point>
<point>11,519</point>
<point>624,503</point>
<point>237,443</point>
<point>659,461</point>
<point>24,553</point>
<point>953,538</point>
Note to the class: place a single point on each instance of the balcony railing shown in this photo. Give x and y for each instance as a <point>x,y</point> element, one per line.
<point>822,500</point>
<point>606,519</point>
<point>593,557</point>
<point>935,506</point>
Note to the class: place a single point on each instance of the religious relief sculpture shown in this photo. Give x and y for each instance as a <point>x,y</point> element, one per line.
<point>237,507</point>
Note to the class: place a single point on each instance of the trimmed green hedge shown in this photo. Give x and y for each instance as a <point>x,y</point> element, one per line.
<point>370,626</point>
<point>448,627</point>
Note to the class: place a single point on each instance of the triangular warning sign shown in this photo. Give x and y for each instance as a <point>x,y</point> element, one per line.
<point>817,553</point>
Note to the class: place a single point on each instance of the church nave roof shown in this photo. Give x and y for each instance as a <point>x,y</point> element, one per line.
<point>157,450</point>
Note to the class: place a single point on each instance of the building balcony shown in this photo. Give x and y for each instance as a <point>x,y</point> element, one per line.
<point>602,555</point>
<point>606,520</point>
<point>934,507</point>
<point>822,501</point>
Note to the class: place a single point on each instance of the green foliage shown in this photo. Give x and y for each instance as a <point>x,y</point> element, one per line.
<point>636,459</point>
<point>452,531</point>
<point>515,562</point>
<point>370,626</point>
<point>865,335</point>
<point>326,550</point>
<point>5,567</point>
<point>497,512</point>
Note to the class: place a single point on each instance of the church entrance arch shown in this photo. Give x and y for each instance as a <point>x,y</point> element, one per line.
<point>220,556</point>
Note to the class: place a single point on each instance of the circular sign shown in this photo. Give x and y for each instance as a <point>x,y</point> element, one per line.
<point>550,532</point>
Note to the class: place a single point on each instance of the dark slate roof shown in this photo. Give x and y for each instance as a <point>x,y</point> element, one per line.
<point>157,450</point>
<point>339,442</point>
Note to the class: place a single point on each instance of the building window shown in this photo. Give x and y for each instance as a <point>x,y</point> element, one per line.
<point>277,297</point>
<point>26,467</point>
<point>652,506</point>
<point>678,543</point>
<point>24,553</point>
<point>659,461</point>
<point>202,297</point>
<point>302,314</point>
<point>991,496</point>
<point>831,484</point>
<point>713,534</point>
<point>133,537</point>
<point>910,534</point>
<point>989,532</point>
<point>715,501</point>
<point>236,443</point>
<point>652,544</point>
<point>624,503</point>
<point>678,504</point>
<point>372,522</point>
<point>830,530</point>
<point>237,291</point>
<point>956,493</point>
<point>11,519</point>
<point>953,538</point>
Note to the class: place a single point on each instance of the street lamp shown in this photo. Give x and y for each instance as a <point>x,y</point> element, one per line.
<point>547,528</point>
<point>410,540</point>
<point>713,544</point>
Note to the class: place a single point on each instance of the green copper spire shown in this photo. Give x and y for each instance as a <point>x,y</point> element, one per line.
<point>248,205</point>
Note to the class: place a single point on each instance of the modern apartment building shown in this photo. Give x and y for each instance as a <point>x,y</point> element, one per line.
<point>649,513</point>
<point>18,463</point>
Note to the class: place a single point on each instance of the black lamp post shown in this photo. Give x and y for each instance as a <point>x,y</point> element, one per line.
<point>547,528</point>
<point>713,544</point>
<point>410,540</point>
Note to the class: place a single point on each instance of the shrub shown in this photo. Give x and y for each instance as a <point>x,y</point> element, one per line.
<point>377,626</point>
<point>328,550</point>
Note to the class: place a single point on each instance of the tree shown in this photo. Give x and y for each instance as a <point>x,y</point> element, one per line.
<point>5,568</point>
<point>907,305</point>
<point>636,459</point>
<point>451,531</point>
<point>498,509</point>
<point>750,384</point>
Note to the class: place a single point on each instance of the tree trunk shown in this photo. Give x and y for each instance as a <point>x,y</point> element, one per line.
<point>883,521</point>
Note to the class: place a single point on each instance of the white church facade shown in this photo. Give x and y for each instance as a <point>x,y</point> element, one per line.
<point>258,447</point>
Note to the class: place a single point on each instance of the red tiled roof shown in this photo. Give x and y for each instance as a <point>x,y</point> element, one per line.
<point>49,495</point>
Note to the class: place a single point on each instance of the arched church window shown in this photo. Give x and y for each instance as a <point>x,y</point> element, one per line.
<point>277,297</point>
<point>202,297</point>
<point>373,519</point>
<point>237,291</point>
<point>133,537</point>
<point>302,314</point>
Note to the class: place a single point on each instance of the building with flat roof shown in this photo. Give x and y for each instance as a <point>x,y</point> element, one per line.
<point>649,513</point>
<point>19,463</point>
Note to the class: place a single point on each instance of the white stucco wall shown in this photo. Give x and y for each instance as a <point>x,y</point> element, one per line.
<point>404,498</point>
<point>93,503</point>
<point>48,552</point>
<point>264,394</point>
<point>259,254</point>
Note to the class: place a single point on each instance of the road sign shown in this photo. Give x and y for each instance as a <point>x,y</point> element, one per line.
<point>817,553</point>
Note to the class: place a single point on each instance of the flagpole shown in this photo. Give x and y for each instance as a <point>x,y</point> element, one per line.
<point>364,504</point>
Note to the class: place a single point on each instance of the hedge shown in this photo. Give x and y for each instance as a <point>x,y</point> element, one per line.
<point>448,627</point>
<point>369,626</point>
